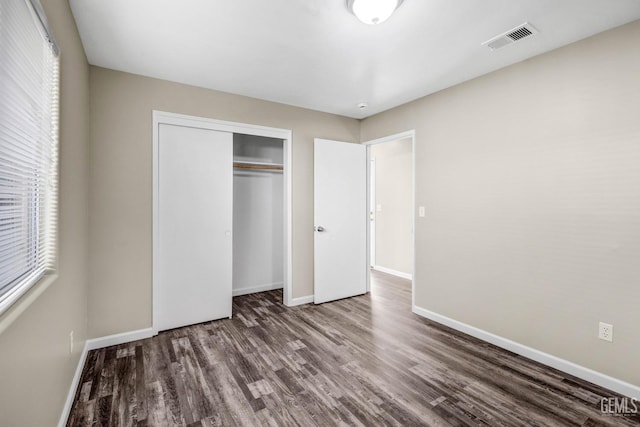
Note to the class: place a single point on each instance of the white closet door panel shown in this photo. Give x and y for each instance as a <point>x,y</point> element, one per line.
<point>340,216</point>
<point>195,217</point>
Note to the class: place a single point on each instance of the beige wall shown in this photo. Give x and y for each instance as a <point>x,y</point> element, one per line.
<point>120,206</point>
<point>36,368</point>
<point>531,181</point>
<point>394,194</point>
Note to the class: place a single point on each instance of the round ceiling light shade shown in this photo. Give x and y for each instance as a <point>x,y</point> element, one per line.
<point>373,12</point>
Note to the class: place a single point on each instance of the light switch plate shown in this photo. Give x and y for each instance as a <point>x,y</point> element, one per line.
<point>421,211</point>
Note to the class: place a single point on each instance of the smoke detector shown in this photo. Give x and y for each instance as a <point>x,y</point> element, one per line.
<point>512,36</point>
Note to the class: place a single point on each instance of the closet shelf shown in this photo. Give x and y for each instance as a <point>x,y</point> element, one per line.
<point>275,167</point>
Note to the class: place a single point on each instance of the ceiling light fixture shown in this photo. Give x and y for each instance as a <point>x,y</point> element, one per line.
<point>373,12</point>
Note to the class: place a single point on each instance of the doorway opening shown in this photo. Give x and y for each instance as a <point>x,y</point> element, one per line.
<point>391,202</point>
<point>258,214</point>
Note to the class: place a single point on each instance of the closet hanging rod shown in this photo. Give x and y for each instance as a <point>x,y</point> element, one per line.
<point>258,166</point>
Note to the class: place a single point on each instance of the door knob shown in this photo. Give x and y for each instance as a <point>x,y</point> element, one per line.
<point>319,228</point>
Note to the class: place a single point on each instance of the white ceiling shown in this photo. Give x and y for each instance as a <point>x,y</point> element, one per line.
<point>315,54</point>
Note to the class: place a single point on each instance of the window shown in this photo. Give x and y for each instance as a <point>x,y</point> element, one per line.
<point>28,148</point>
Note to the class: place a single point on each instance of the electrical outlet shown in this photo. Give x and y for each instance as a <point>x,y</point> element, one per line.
<point>70,342</point>
<point>605,332</point>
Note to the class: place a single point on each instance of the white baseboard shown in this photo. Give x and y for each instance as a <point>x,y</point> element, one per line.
<point>122,338</point>
<point>300,301</point>
<point>393,272</point>
<point>74,386</point>
<point>563,365</point>
<point>261,288</point>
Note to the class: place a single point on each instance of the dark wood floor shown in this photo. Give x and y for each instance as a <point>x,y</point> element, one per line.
<point>360,361</point>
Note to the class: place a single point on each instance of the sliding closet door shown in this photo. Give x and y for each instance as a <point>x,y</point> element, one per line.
<point>194,214</point>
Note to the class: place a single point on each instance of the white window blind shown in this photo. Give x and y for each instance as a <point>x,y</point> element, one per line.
<point>28,148</point>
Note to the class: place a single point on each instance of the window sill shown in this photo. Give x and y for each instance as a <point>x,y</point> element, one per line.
<point>22,303</point>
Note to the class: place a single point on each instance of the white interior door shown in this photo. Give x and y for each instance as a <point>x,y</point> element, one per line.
<point>195,215</point>
<point>340,216</point>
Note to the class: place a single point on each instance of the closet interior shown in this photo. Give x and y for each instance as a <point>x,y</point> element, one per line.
<point>258,214</point>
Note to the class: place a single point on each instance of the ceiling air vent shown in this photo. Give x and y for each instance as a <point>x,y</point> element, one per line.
<point>513,35</point>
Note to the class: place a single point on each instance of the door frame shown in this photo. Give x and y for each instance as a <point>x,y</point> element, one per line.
<point>371,189</point>
<point>163,117</point>
<point>391,138</point>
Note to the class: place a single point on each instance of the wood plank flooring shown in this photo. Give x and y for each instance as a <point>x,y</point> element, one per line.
<point>363,361</point>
